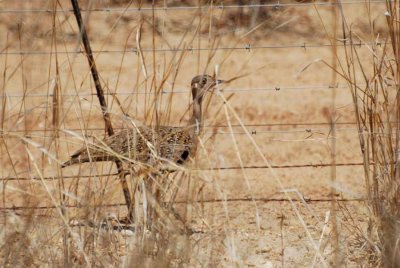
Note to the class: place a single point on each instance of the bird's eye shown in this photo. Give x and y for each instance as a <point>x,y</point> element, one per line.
<point>204,81</point>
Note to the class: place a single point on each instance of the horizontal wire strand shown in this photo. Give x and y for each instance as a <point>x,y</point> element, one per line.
<point>217,126</point>
<point>319,165</point>
<point>276,88</point>
<point>247,47</point>
<point>178,91</point>
<point>251,131</point>
<point>275,5</point>
<point>259,199</point>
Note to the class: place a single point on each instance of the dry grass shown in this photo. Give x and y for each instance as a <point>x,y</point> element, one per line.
<point>83,217</point>
<point>376,104</point>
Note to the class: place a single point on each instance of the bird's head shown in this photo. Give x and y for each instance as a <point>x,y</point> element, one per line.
<point>203,83</point>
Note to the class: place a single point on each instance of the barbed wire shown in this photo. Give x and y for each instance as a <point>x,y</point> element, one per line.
<point>276,5</point>
<point>178,91</point>
<point>244,199</point>
<point>213,126</point>
<point>250,131</point>
<point>246,47</point>
<point>318,165</point>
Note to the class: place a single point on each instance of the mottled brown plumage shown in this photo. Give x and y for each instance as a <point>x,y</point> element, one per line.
<point>147,145</point>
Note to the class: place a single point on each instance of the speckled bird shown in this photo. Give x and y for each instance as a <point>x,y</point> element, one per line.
<point>145,144</point>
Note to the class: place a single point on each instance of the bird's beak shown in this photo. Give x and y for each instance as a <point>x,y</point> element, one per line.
<point>217,82</point>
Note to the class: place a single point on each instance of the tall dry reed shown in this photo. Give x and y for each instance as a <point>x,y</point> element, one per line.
<point>375,85</point>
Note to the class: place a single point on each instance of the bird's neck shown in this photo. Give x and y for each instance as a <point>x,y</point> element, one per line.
<point>195,122</point>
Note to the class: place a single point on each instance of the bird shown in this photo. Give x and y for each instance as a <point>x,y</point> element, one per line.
<point>147,145</point>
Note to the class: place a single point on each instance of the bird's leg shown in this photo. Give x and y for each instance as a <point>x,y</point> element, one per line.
<point>150,185</point>
<point>157,184</point>
<point>135,178</point>
<point>177,216</point>
<point>125,188</point>
<point>135,182</point>
<point>168,221</point>
<point>157,208</point>
<point>157,189</point>
<point>168,206</point>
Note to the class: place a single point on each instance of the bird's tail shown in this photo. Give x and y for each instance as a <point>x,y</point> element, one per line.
<point>83,158</point>
<point>76,158</point>
<point>72,161</point>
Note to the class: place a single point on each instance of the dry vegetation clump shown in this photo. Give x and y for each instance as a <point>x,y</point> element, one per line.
<point>376,101</point>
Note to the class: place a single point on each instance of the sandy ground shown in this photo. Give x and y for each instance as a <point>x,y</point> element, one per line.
<point>281,122</point>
